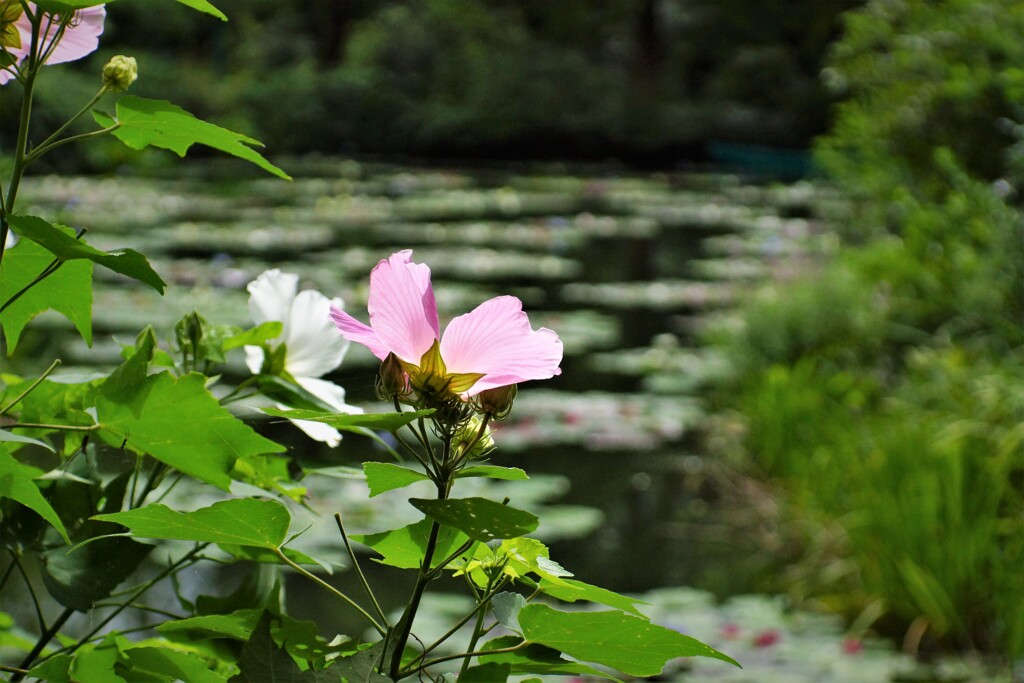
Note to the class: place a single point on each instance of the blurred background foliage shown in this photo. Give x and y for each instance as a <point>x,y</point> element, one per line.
<point>882,390</point>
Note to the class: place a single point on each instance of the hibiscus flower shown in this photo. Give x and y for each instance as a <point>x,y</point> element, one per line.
<point>310,349</point>
<point>491,346</point>
<point>62,37</point>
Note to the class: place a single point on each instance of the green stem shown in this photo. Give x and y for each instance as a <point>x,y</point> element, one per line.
<point>359,571</point>
<point>479,625</point>
<point>151,483</point>
<point>404,626</point>
<point>21,146</point>
<point>469,655</point>
<point>44,640</point>
<point>334,591</point>
<point>41,150</point>
<point>65,428</point>
<point>32,594</point>
<point>42,146</point>
<point>46,373</point>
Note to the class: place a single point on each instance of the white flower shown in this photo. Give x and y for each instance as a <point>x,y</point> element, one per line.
<point>312,347</point>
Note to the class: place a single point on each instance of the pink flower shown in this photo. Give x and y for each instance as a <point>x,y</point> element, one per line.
<point>491,346</point>
<point>62,37</point>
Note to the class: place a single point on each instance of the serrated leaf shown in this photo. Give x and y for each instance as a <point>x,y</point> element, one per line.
<point>254,337</point>
<point>241,521</point>
<point>384,476</point>
<point>614,639</point>
<point>63,244</point>
<point>68,291</point>
<point>167,665</point>
<point>404,548</point>
<point>570,590</point>
<point>80,577</point>
<point>158,123</point>
<point>178,421</point>
<point>347,422</point>
<point>536,659</point>
<point>17,485</point>
<point>493,472</point>
<point>479,518</point>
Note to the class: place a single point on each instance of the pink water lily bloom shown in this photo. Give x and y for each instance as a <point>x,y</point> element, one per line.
<point>80,37</point>
<point>494,340</point>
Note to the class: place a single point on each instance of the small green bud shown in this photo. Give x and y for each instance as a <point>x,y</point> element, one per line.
<point>119,73</point>
<point>473,440</point>
<point>392,382</point>
<point>497,401</point>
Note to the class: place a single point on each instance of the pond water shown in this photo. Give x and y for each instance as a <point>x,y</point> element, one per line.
<point>626,268</point>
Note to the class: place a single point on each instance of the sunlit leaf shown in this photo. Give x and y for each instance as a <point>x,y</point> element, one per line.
<point>68,291</point>
<point>158,123</point>
<point>168,665</point>
<point>570,590</point>
<point>255,336</point>
<point>178,421</point>
<point>493,472</point>
<point>242,521</point>
<point>614,639</point>
<point>344,421</point>
<point>384,476</point>
<point>536,659</point>
<point>62,243</point>
<point>479,518</point>
<point>17,485</point>
<point>404,547</point>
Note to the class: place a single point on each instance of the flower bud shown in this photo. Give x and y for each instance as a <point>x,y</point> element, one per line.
<point>119,73</point>
<point>473,440</point>
<point>497,401</point>
<point>392,382</point>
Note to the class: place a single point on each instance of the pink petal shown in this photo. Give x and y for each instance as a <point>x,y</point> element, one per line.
<point>81,37</point>
<point>353,330</point>
<point>403,313</point>
<point>495,338</point>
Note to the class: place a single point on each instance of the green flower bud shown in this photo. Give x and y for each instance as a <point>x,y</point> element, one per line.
<point>392,382</point>
<point>119,73</point>
<point>497,401</point>
<point>473,440</point>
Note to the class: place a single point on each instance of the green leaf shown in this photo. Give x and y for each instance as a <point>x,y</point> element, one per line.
<point>11,437</point>
<point>82,576</point>
<point>58,6</point>
<point>492,672</point>
<point>570,590</point>
<point>383,476</point>
<point>62,243</point>
<point>614,639</point>
<point>95,664</point>
<point>159,123</point>
<point>346,422</point>
<point>493,472</point>
<point>242,521</point>
<point>68,291</point>
<point>56,669</point>
<point>178,421</point>
<point>204,6</point>
<point>338,472</point>
<point>506,606</point>
<point>252,554</point>
<point>404,548</point>
<point>479,518</point>
<point>17,485</point>
<point>536,659</point>
<point>237,625</point>
<point>254,337</point>
<point>167,665</point>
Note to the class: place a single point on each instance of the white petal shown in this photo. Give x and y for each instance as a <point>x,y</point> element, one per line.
<point>254,359</point>
<point>332,395</point>
<point>314,345</point>
<point>271,296</point>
